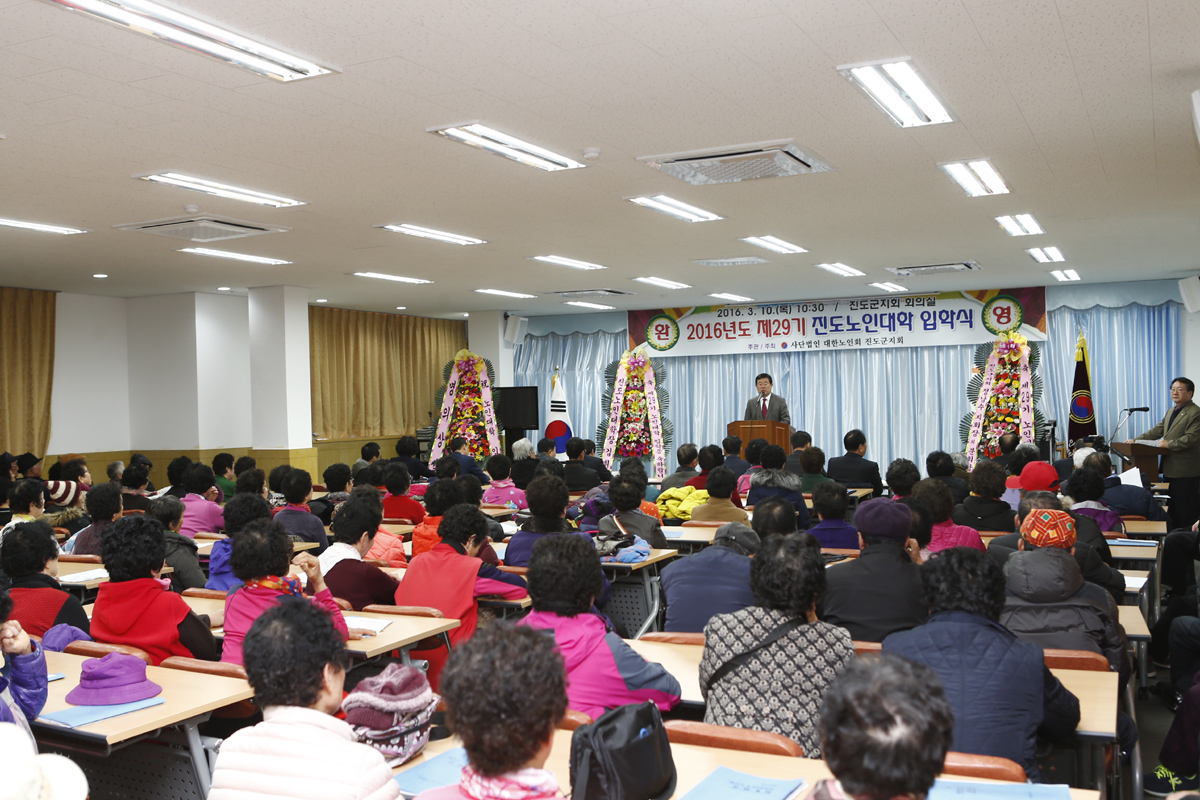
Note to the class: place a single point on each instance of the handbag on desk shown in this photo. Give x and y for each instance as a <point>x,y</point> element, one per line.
<point>607,544</point>
<point>624,755</point>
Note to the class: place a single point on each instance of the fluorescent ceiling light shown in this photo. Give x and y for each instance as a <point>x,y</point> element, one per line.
<point>1044,255</point>
<point>100,275</point>
<point>224,289</point>
<point>774,244</point>
<point>596,306</point>
<point>510,147</point>
<point>568,262</point>
<point>838,268</point>
<point>503,293</point>
<point>897,88</point>
<point>385,277</point>
<point>401,308</point>
<point>977,178</point>
<point>204,251</point>
<point>669,205</point>
<point>323,300</point>
<point>1020,225</point>
<point>664,283</point>
<point>430,233</point>
<point>1065,274</point>
<point>221,189</point>
<point>735,298</point>
<point>37,226</point>
<point>889,287</point>
<point>174,27</point>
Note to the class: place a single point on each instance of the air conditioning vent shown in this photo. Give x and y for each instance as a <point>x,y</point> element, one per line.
<point>593,293</point>
<point>739,261</point>
<point>933,269</point>
<point>746,162</point>
<point>202,228</point>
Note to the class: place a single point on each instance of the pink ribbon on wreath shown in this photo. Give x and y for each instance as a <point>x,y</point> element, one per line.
<point>439,440</point>
<point>985,393</point>
<point>656,437</point>
<point>614,414</point>
<point>1026,397</point>
<point>489,412</point>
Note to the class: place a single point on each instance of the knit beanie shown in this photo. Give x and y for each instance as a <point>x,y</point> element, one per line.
<point>378,703</point>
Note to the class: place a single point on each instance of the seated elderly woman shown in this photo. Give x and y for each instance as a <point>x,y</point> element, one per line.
<point>134,607</point>
<point>262,552</point>
<point>983,509</point>
<point>524,463</point>
<point>296,662</point>
<point>506,730</point>
<point>767,667</point>
<point>23,675</point>
<point>29,557</point>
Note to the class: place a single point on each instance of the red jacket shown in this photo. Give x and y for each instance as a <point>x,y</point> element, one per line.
<point>140,613</point>
<point>401,506</point>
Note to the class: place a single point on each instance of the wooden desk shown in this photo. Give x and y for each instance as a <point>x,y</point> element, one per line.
<point>1133,552</point>
<point>690,534</point>
<point>68,568</point>
<point>693,764</point>
<point>189,698</point>
<point>1134,623</point>
<point>681,660</point>
<point>1145,528</point>
<point>204,547</point>
<point>403,531</point>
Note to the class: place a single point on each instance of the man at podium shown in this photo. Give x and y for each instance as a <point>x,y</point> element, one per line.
<point>766,404</point>
<point>1179,432</point>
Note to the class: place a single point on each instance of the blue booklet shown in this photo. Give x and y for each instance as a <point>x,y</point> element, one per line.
<point>441,770</point>
<point>971,790</point>
<point>672,532</point>
<point>724,783</point>
<point>78,716</point>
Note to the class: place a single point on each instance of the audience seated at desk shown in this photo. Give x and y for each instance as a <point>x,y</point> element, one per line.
<point>754,450</point>
<point>262,553</point>
<point>224,474</point>
<point>577,475</point>
<point>800,441</point>
<point>709,459</point>
<point>337,490</point>
<point>182,551</point>
<point>473,495</point>
<point>687,456</point>
<point>502,491</point>
<point>65,506</point>
<point>922,527</point>
<point>1000,688</point>
<point>547,498</point>
<point>133,607</point>
<point>854,469</point>
<point>715,580</point>
<point>29,557</point>
<point>774,481</point>
<point>368,455</point>
<point>524,463</point>
<point>603,671</point>
<point>23,679</point>
<point>627,517</point>
<point>450,577</point>
<point>346,574</point>
<point>937,498</point>
<point>134,483</point>
<point>408,453</point>
<point>295,517</point>
<point>940,466</point>
<point>719,508</point>
<point>244,508</point>
<point>26,501</point>
<point>902,475</point>
<point>879,592</point>
<point>203,515</point>
<point>103,505</point>
<point>296,662</point>
<point>812,461</point>
<point>467,465</point>
<point>983,509</point>
<point>275,486</point>
<point>830,505</point>
<point>732,447</point>
<point>1083,492</point>
<point>442,495</point>
<point>780,657</point>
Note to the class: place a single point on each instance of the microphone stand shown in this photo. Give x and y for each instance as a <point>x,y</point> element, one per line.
<point>1113,438</point>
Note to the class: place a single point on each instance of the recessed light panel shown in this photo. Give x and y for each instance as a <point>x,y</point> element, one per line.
<point>1020,225</point>
<point>738,261</point>
<point>503,293</point>
<point>774,244</point>
<point>1045,255</point>
<point>1065,274</point>
<point>383,276</point>
<point>897,88</point>
<point>430,233</point>
<point>41,228</point>
<point>221,189</point>
<point>977,178</point>
<point>563,261</point>
<point>838,268</point>
<point>675,208</point>
<point>889,287</point>
<point>596,306</point>
<point>204,251</point>
<point>733,298</point>
<point>664,283</point>
<point>502,144</point>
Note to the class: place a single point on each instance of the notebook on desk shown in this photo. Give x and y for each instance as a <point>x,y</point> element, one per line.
<point>441,770</point>
<point>724,783</point>
<point>971,790</point>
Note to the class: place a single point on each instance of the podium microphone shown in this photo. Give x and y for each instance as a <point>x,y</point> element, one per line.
<point>1141,408</point>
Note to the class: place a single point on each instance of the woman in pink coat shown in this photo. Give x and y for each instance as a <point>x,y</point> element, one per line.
<point>937,498</point>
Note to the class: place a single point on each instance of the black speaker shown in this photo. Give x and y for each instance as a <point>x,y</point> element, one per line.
<point>517,407</point>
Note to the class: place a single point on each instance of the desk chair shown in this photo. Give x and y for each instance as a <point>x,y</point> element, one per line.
<point>100,650</point>
<point>573,719</point>
<point>379,562</point>
<point>1132,518</point>
<point>344,605</point>
<point>68,558</point>
<point>702,523</point>
<point>62,533</point>
<point>206,594</point>
<point>318,487</point>
<point>674,638</point>
<point>1075,659</point>
<point>869,649</point>
<point>209,535</point>
<point>129,511</point>
<point>396,521</point>
<point>681,731</point>
<point>522,571</point>
<point>994,768</point>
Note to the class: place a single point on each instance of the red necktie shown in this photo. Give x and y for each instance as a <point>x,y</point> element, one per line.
<point>764,408</point>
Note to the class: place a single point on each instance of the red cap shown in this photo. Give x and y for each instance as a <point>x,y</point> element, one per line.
<point>1038,476</point>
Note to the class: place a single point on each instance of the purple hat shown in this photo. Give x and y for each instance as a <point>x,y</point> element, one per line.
<point>883,519</point>
<point>378,702</point>
<point>117,678</point>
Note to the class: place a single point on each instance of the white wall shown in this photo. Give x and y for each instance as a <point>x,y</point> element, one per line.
<point>223,370</point>
<point>280,368</point>
<point>163,396</point>
<point>485,337</point>
<point>89,405</point>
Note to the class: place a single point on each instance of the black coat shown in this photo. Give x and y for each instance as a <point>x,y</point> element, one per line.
<point>854,471</point>
<point>578,477</point>
<point>958,489</point>
<point>522,471</point>
<point>985,514</point>
<point>793,463</point>
<point>597,463</point>
<point>1092,567</point>
<point>876,594</point>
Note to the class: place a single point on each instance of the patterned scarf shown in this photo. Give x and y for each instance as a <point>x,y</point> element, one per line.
<point>523,784</point>
<point>288,584</point>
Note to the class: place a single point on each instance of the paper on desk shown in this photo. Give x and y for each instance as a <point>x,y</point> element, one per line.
<point>510,527</point>
<point>441,770</point>
<point>1134,584</point>
<point>1132,477</point>
<point>1133,543</point>
<point>672,532</point>
<point>78,716</point>
<point>970,790</point>
<point>501,548</point>
<point>54,676</point>
<point>1147,442</point>
<point>724,782</point>
<point>100,573</point>
<point>369,623</point>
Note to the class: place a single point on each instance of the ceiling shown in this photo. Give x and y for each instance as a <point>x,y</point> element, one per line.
<point>1082,105</point>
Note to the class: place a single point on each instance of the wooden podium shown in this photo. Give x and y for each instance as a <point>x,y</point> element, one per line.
<point>774,432</point>
<point>1144,457</point>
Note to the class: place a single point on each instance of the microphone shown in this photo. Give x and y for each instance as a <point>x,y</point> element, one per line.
<point>1141,408</point>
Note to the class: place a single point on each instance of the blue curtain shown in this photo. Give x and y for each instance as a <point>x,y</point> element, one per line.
<point>908,401</point>
<point>1134,351</point>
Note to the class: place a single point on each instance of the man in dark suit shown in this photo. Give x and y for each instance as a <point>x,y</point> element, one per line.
<point>466,464</point>
<point>801,441</point>
<point>766,404</point>
<point>593,461</point>
<point>1007,443</point>
<point>733,456</point>
<point>546,450</point>
<point>578,476</point>
<point>940,465</point>
<point>853,470</point>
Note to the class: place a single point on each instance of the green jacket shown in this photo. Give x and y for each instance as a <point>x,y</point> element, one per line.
<point>1183,440</point>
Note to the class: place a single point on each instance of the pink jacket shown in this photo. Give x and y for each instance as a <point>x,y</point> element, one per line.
<point>300,753</point>
<point>947,534</point>
<point>243,606</point>
<point>388,547</point>
<point>201,516</point>
<point>503,492</point>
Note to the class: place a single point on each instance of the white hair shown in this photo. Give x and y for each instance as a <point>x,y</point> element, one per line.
<point>522,448</point>
<point>1081,454</point>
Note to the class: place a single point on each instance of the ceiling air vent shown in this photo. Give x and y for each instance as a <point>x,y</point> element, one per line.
<point>202,228</point>
<point>592,293</point>
<point>933,269</point>
<point>743,162</point>
<point>739,261</point>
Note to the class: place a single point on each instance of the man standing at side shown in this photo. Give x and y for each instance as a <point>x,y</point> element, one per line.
<point>1179,432</point>
<point>766,404</point>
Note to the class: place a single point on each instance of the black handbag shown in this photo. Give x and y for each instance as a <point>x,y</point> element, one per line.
<point>624,755</point>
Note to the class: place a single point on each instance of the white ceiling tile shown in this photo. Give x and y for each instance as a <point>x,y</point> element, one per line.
<point>815,15</point>
<point>14,64</point>
<point>858,43</point>
<point>668,30</point>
